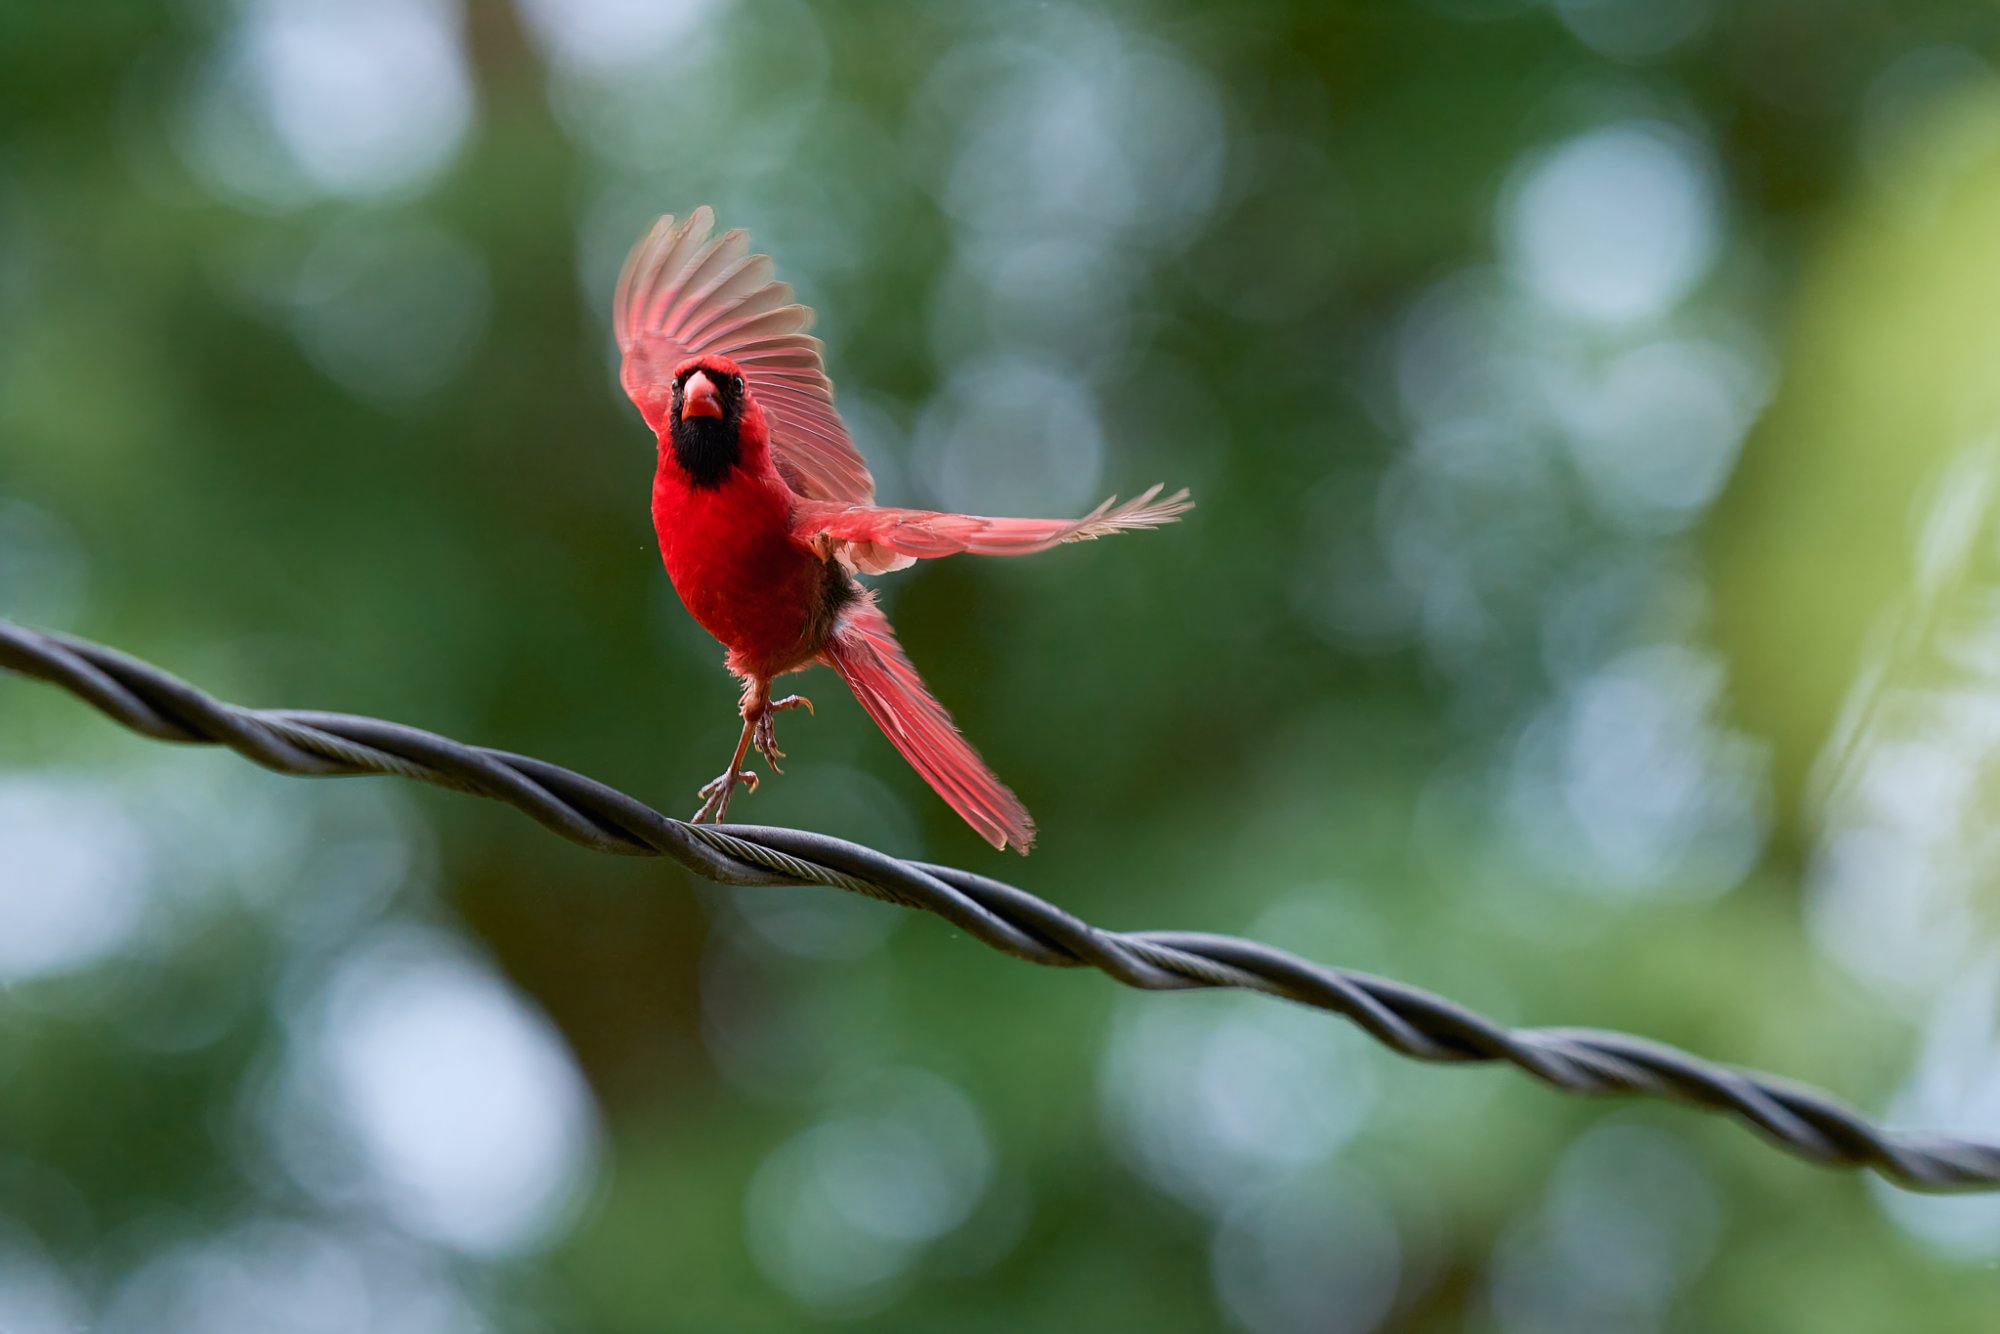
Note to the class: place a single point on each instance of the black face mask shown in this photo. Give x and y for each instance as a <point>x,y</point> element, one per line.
<point>708,447</point>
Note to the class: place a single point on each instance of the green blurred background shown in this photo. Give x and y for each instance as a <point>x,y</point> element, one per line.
<point>1592,612</point>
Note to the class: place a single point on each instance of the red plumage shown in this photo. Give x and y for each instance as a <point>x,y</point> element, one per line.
<point>764,514</point>
<point>863,649</point>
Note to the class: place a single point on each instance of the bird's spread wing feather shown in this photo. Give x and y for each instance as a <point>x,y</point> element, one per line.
<point>684,295</point>
<point>875,540</point>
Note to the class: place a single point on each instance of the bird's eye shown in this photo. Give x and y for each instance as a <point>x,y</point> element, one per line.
<point>737,380</point>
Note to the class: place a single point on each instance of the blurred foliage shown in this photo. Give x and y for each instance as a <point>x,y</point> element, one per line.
<point>1517,649</point>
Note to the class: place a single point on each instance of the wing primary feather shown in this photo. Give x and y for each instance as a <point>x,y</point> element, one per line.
<point>927,535</point>
<point>710,269</point>
<point>679,255</point>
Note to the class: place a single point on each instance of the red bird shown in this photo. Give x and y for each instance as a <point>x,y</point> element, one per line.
<point>764,510</point>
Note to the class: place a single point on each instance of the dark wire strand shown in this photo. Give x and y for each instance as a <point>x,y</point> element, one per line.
<point>1800,1120</point>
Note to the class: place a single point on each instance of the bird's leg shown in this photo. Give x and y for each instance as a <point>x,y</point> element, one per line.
<point>715,793</point>
<point>766,739</point>
<point>756,710</point>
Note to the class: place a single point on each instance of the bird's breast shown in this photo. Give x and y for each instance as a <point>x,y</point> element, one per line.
<point>730,553</point>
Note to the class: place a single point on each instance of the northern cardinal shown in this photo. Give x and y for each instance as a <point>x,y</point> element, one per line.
<point>764,510</point>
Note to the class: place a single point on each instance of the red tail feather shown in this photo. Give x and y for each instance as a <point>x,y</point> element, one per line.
<point>864,651</point>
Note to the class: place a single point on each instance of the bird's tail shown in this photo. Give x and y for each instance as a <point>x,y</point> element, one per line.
<point>863,649</point>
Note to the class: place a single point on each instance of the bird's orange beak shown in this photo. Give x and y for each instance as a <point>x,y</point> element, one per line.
<point>698,397</point>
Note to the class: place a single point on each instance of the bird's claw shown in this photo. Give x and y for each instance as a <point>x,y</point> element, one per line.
<point>766,737</point>
<point>715,795</point>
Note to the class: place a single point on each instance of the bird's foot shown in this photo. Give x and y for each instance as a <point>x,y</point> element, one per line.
<point>766,738</point>
<point>715,794</point>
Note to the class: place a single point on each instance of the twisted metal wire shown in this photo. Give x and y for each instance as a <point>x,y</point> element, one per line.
<point>1800,1120</point>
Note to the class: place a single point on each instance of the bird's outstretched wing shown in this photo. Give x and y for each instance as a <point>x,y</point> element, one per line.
<point>877,540</point>
<point>684,295</point>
